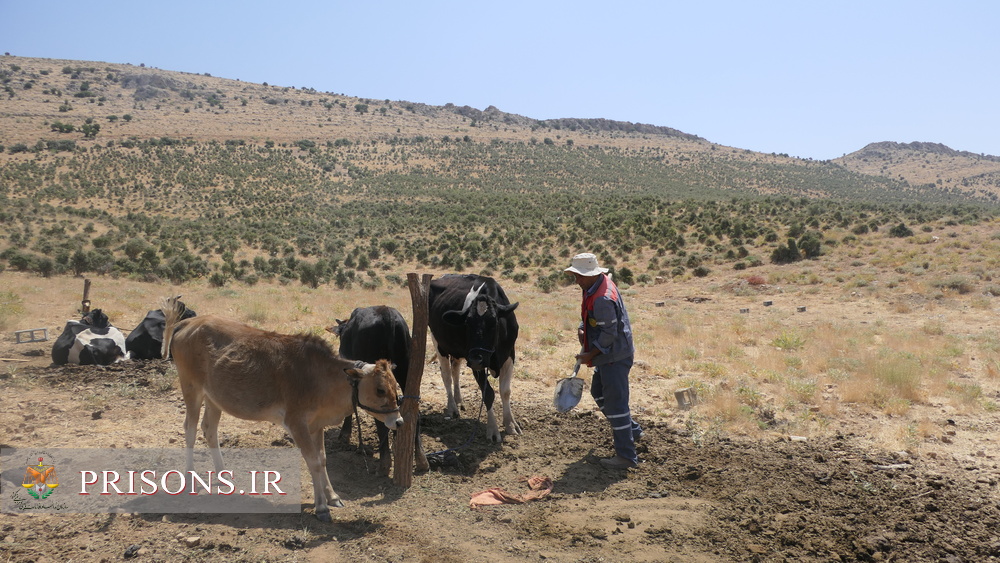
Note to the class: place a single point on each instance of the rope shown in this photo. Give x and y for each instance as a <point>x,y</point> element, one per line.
<point>361,442</point>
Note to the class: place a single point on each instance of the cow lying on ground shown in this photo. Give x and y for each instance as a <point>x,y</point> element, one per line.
<point>293,380</point>
<point>371,334</point>
<point>91,340</point>
<point>146,340</point>
<point>470,317</point>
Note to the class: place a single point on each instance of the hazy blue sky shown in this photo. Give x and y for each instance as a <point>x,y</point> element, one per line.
<point>809,78</point>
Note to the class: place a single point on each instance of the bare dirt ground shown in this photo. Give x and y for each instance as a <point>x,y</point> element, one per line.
<point>824,499</point>
<point>835,496</point>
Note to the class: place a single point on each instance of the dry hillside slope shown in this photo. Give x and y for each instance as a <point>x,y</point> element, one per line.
<point>928,163</point>
<point>129,101</point>
<point>202,107</point>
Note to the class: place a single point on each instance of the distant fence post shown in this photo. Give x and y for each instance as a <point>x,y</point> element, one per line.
<point>402,474</point>
<point>85,303</point>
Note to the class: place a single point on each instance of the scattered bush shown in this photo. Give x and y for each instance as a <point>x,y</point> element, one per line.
<point>900,231</point>
<point>786,254</point>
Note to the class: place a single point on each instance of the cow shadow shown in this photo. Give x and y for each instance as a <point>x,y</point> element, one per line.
<point>456,446</point>
<point>293,531</point>
<point>461,446</point>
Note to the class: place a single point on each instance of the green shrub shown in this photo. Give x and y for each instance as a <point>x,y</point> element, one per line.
<point>961,284</point>
<point>900,231</point>
<point>218,279</point>
<point>788,341</point>
<point>786,254</point>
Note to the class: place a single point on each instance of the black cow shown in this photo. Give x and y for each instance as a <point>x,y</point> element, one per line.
<point>90,341</point>
<point>372,334</point>
<point>470,317</point>
<point>145,340</point>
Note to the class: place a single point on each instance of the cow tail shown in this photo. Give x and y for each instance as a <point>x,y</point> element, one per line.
<point>173,309</point>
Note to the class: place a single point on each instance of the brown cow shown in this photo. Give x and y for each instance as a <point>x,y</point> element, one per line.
<point>293,380</point>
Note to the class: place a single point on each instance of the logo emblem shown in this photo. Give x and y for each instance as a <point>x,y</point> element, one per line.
<point>40,480</point>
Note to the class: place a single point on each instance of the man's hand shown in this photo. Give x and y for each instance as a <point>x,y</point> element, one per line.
<point>587,357</point>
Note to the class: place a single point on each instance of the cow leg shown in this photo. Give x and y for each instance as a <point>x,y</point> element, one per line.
<point>210,430</point>
<point>456,370</point>
<point>384,453</point>
<point>345,430</point>
<point>332,498</point>
<point>418,450</point>
<point>506,380</point>
<point>448,374</point>
<point>311,445</point>
<point>193,399</point>
<point>492,431</point>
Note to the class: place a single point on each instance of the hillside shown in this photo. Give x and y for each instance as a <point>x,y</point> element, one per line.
<point>43,92</point>
<point>113,168</point>
<point>39,92</point>
<point>929,164</point>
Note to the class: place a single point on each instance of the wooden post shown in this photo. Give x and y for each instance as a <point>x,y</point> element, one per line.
<point>85,304</point>
<point>402,474</point>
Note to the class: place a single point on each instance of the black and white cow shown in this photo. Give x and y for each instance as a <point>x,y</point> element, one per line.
<point>145,340</point>
<point>91,340</point>
<point>372,334</point>
<point>470,317</point>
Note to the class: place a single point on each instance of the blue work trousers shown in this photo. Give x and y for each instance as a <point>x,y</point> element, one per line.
<point>610,391</point>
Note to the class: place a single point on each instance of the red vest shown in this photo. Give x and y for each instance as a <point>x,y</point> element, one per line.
<point>605,288</point>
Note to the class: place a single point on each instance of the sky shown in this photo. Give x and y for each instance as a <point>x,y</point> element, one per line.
<point>809,78</point>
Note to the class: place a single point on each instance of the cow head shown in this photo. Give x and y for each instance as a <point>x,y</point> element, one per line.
<point>337,329</point>
<point>96,319</point>
<point>375,391</point>
<point>101,352</point>
<point>480,316</point>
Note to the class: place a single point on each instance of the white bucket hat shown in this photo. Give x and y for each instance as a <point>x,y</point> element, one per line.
<point>586,265</point>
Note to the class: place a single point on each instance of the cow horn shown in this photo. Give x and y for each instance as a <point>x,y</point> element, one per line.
<point>472,296</point>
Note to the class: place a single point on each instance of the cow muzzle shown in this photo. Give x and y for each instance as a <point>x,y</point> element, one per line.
<point>479,358</point>
<point>394,423</point>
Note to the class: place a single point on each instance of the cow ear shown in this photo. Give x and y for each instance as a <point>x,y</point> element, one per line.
<point>360,370</point>
<point>503,310</point>
<point>335,329</point>
<point>453,318</point>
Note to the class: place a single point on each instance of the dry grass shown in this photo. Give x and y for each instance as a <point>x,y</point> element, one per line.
<point>10,308</point>
<point>775,370</point>
<point>898,355</point>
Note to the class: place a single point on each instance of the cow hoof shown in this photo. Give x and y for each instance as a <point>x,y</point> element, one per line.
<point>422,465</point>
<point>336,503</point>
<point>324,516</point>
<point>513,428</point>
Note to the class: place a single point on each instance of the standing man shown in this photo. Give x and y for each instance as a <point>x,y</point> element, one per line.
<point>606,336</point>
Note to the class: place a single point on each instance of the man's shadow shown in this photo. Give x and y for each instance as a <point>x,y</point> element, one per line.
<point>587,476</point>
